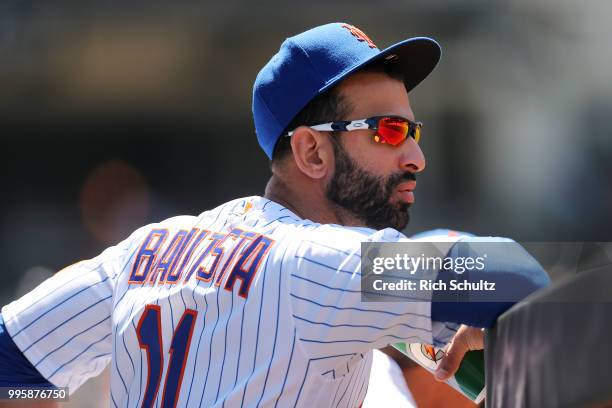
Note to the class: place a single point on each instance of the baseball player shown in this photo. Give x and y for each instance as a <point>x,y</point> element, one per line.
<point>257,302</point>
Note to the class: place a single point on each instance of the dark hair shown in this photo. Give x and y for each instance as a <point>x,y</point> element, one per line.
<point>329,106</point>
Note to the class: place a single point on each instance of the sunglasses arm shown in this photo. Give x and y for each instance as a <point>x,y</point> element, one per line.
<point>322,128</point>
<point>345,125</point>
<point>360,124</point>
<point>342,126</point>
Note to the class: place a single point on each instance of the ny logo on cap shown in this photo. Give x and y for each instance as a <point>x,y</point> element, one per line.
<point>361,36</point>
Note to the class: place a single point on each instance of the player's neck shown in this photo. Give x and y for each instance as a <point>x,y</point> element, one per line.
<point>308,203</point>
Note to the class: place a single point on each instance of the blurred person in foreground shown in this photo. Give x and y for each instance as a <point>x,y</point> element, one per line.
<point>257,302</point>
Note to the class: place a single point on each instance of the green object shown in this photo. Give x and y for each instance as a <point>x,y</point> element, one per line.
<point>401,347</point>
<point>469,379</point>
<point>471,374</point>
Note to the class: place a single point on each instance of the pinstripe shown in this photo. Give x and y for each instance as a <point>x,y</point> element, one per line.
<point>278,219</point>
<point>351,398</point>
<point>288,367</point>
<point>323,285</point>
<point>51,291</point>
<point>338,387</point>
<point>263,297</point>
<point>297,399</point>
<point>225,339</point>
<point>183,299</point>
<point>113,399</point>
<point>209,351</point>
<point>64,322</point>
<point>196,307</point>
<point>358,340</point>
<point>224,346</point>
<point>263,209</point>
<point>127,353</point>
<point>348,383</point>
<point>140,372</point>
<point>356,254</point>
<point>75,357</point>
<point>212,336</point>
<point>404,297</point>
<point>171,312</point>
<point>361,326</point>
<point>123,337</point>
<point>117,368</point>
<point>241,333</point>
<point>362,310</point>
<point>333,356</point>
<point>69,340</point>
<point>333,268</point>
<point>57,305</point>
<point>399,297</point>
<point>278,297</point>
<point>365,379</point>
<point>240,342</point>
<point>127,288</point>
<point>195,360</point>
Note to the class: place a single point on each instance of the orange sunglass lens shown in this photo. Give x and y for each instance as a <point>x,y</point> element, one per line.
<point>392,131</point>
<point>417,133</point>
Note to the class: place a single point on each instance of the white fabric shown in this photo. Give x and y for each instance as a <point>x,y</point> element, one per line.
<point>387,387</point>
<point>300,336</point>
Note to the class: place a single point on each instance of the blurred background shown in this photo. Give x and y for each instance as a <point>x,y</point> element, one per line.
<point>115,114</point>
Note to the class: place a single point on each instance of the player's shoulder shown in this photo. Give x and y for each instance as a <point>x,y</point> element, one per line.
<point>283,221</point>
<point>335,232</point>
<point>331,240</point>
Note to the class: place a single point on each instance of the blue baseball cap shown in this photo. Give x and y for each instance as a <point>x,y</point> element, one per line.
<point>312,62</point>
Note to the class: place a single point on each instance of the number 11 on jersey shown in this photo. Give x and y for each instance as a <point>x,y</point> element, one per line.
<point>150,339</point>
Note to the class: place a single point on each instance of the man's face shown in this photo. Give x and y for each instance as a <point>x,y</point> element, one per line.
<point>374,181</point>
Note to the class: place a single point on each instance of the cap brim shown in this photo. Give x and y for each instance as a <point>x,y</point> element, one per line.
<point>415,57</point>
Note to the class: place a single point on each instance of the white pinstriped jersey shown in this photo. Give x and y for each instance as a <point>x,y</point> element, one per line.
<point>245,305</point>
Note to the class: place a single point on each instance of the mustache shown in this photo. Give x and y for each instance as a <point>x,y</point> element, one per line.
<point>395,179</point>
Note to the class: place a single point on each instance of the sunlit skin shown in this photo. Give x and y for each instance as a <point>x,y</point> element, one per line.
<point>375,94</point>
<point>299,183</point>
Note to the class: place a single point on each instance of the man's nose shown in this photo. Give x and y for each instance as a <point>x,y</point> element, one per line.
<point>412,157</point>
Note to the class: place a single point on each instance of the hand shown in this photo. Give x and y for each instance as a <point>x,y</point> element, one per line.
<point>467,338</point>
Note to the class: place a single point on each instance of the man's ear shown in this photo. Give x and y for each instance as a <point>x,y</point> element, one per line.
<point>312,151</point>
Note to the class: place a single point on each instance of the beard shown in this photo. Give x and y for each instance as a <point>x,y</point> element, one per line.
<point>365,195</point>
